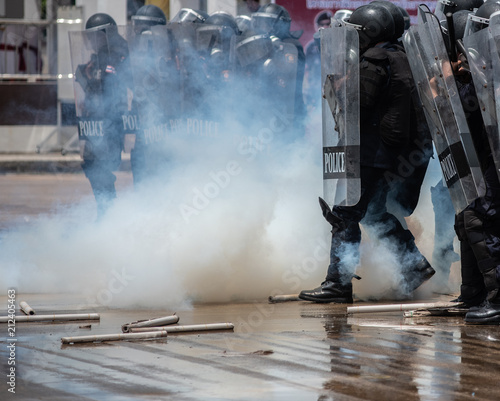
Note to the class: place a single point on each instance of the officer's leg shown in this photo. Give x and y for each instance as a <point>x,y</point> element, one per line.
<point>488,264</point>
<point>482,225</point>
<point>346,237</point>
<point>138,164</point>
<point>472,289</point>
<point>102,180</point>
<point>379,222</point>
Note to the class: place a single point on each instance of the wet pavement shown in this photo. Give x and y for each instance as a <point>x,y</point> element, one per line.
<point>283,351</point>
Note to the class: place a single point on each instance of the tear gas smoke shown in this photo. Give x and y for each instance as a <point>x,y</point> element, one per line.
<point>203,234</point>
<point>238,247</point>
<point>229,214</point>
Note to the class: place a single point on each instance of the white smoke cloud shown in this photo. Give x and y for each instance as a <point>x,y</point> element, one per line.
<point>229,217</point>
<point>245,224</point>
<point>256,235</point>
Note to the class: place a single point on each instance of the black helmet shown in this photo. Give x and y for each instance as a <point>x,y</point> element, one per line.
<point>99,21</point>
<point>481,19</point>
<point>149,15</point>
<point>325,15</point>
<point>273,20</point>
<point>399,21</point>
<point>190,15</point>
<point>406,17</point>
<point>444,7</point>
<point>374,24</point>
<point>459,23</point>
<point>223,18</point>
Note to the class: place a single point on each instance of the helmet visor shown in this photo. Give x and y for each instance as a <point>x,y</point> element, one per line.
<point>263,22</point>
<point>475,24</point>
<point>253,48</point>
<point>188,15</point>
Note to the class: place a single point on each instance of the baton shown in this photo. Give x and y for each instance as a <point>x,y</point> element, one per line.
<point>451,37</point>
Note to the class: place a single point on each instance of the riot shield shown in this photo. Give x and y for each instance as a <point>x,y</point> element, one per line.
<point>156,94</point>
<point>445,115</point>
<point>483,50</point>
<point>155,75</point>
<point>101,79</point>
<point>190,66</point>
<point>215,46</point>
<point>340,114</point>
<point>267,74</point>
<point>285,60</point>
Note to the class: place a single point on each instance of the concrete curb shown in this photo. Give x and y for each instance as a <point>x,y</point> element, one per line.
<point>47,163</point>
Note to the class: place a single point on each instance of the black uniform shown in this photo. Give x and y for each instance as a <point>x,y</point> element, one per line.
<point>385,110</point>
<point>104,80</point>
<point>478,226</point>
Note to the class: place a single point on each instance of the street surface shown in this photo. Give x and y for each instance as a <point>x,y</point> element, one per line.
<point>282,351</point>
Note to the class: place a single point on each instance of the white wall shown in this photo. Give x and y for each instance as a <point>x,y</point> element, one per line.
<point>222,5</point>
<point>212,5</point>
<point>116,8</point>
<point>31,10</point>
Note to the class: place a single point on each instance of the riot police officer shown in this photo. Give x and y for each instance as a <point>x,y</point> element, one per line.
<point>215,46</point>
<point>385,109</point>
<point>274,20</point>
<point>150,89</point>
<point>184,26</point>
<point>478,225</point>
<point>103,80</point>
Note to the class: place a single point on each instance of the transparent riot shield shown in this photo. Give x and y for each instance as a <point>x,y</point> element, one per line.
<point>190,66</point>
<point>285,78</point>
<point>215,46</point>
<point>446,118</point>
<point>101,80</point>
<point>156,94</point>
<point>488,76</point>
<point>340,113</point>
<point>155,75</point>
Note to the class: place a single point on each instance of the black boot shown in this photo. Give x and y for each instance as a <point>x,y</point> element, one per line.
<point>487,313</point>
<point>417,274</point>
<point>329,291</point>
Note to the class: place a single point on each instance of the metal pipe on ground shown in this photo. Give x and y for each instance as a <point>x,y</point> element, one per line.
<point>160,321</point>
<point>283,298</point>
<point>113,337</point>
<point>399,307</point>
<point>25,308</point>
<point>187,328</point>
<point>51,318</point>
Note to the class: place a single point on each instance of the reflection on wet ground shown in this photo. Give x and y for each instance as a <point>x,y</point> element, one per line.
<point>288,351</point>
<point>285,351</point>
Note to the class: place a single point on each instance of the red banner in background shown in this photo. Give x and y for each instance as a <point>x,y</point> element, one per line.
<point>304,12</point>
